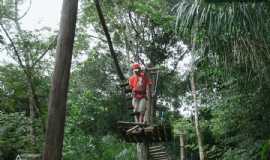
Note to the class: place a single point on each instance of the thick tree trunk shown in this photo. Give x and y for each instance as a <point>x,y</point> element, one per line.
<point>59,89</point>
<point>197,126</point>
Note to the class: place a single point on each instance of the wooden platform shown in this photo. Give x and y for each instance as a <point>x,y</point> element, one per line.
<point>137,132</point>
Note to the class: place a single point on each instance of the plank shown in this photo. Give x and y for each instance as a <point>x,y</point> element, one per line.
<point>149,134</point>
<point>132,129</point>
<point>161,156</point>
<point>154,147</point>
<point>159,153</point>
<point>156,150</point>
<point>149,129</point>
<point>124,123</point>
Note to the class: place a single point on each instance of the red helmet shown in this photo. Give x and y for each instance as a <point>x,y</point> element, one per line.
<point>135,66</point>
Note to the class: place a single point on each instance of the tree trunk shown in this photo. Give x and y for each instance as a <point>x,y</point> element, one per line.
<point>33,105</point>
<point>197,126</point>
<point>32,117</point>
<point>182,146</point>
<point>193,90</point>
<point>59,89</point>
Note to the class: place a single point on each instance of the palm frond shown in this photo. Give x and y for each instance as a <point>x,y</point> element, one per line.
<point>238,30</point>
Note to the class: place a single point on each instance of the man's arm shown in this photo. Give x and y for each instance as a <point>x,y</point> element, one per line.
<point>130,81</point>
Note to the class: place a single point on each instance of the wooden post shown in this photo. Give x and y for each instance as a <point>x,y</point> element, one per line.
<point>182,146</point>
<point>142,151</point>
<point>148,118</point>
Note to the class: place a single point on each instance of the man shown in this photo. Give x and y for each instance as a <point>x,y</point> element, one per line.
<point>139,84</point>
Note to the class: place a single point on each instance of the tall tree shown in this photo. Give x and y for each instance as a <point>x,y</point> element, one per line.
<point>59,89</point>
<point>27,50</point>
<point>193,90</point>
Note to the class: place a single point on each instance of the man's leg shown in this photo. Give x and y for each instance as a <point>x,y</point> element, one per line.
<point>142,117</point>
<point>135,104</point>
<point>142,108</point>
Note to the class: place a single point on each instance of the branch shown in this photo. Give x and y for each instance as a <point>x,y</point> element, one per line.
<point>138,34</point>
<point>14,47</point>
<point>176,63</point>
<point>45,52</point>
<point>178,60</point>
<point>132,24</point>
<point>103,40</point>
<point>27,10</point>
<point>1,39</point>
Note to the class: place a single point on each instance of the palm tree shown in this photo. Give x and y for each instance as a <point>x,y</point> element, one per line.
<point>234,31</point>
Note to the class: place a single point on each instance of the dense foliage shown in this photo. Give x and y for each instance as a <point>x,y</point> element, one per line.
<point>228,40</point>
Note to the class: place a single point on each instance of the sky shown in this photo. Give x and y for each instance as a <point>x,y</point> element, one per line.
<point>46,13</point>
<point>43,13</point>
